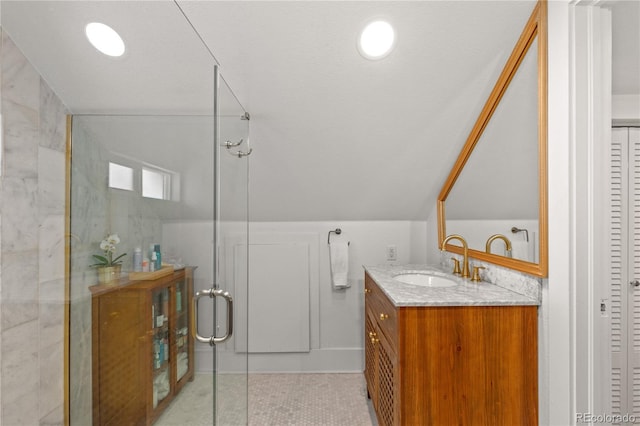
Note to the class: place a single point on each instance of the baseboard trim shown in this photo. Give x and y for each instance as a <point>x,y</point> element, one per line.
<point>335,360</point>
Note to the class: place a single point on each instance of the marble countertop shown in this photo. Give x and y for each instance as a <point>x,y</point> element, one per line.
<point>466,293</point>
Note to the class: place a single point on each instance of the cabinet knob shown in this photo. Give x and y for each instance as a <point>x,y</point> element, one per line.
<point>383,317</point>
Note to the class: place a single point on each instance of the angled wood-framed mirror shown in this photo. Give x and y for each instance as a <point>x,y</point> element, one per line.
<point>498,184</point>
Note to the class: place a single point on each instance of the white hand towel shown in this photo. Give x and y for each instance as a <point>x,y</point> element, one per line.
<point>520,250</point>
<point>339,257</point>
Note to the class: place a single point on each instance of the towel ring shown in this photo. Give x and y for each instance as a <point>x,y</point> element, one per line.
<point>526,233</point>
<point>336,231</point>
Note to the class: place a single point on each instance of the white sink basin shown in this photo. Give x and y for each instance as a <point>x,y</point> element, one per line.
<point>425,280</point>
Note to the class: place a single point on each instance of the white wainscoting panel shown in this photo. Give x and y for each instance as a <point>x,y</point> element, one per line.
<point>282,285</point>
<point>279,298</point>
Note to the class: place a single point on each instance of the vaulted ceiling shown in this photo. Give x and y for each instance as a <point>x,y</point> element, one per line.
<point>335,136</point>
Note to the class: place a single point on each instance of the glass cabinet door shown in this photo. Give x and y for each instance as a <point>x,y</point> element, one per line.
<point>181,331</point>
<point>161,353</point>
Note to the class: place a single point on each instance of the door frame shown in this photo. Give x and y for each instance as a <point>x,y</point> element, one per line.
<point>591,44</point>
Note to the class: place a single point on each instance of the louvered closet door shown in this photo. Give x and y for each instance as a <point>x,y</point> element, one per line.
<point>625,270</point>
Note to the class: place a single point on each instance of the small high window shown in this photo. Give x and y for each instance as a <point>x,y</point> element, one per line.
<point>120,177</point>
<point>156,184</point>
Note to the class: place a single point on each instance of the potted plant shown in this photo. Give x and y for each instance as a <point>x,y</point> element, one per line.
<point>108,267</point>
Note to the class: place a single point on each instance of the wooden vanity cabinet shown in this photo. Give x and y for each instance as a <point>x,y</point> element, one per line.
<point>463,365</point>
<point>142,347</point>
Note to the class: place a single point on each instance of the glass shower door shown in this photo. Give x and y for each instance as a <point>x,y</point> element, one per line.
<point>200,222</point>
<point>231,357</point>
<point>228,338</point>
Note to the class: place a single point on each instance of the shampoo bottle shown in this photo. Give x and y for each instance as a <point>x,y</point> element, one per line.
<point>137,259</point>
<point>156,250</point>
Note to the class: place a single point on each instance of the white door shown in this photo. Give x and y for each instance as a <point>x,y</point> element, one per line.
<point>625,275</point>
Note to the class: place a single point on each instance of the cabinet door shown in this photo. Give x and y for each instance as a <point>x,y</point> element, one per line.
<point>380,372</point>
<point>387,396</point>
<point>182,332</point>
<point>119,361</point>
<point>370,357</point>
<point>160,346</point>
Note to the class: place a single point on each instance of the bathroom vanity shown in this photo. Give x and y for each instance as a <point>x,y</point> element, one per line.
<point>142,346</point>
<point>465,354</point>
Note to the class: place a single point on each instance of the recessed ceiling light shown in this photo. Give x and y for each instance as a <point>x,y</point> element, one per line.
<point>376,40</point>
<point>105,39</point>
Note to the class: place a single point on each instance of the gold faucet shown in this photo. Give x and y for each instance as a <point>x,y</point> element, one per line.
<point>492,238</point>
<point>465,260</point>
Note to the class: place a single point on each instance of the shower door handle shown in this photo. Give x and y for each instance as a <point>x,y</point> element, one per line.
<point>212,294</point>
<point>635,283</point>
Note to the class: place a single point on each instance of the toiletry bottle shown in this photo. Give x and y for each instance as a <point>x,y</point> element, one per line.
<point>156,249</point>
<point>145,265</point>
<point>165,306</point>
<point>155,396</point>
<point>137,259</point>
<point>156,353</point>
<point>154,261</point>
<point>166,345</point>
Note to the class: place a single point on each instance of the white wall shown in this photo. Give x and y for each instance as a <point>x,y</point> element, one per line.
<point>336,316</point>
<point>625,107</point>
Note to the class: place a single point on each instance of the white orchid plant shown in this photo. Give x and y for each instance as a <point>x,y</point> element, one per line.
<point>108,245</point>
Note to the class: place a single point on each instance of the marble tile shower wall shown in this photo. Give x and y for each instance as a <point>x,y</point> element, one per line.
<point>31,245</point>
<point>89,219</point>
<point>96,211</point>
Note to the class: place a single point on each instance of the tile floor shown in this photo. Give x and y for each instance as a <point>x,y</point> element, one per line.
<point>274,400</point>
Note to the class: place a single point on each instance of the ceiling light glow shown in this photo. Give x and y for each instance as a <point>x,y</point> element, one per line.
<point>376,40</point>
<point>105,39</point>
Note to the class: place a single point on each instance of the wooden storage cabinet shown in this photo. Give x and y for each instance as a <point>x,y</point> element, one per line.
<point>142,347</point>
<point>465,365</point>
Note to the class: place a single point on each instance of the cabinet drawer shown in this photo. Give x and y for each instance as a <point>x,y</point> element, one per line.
<point>387,318</point>
<point>381,308</point>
